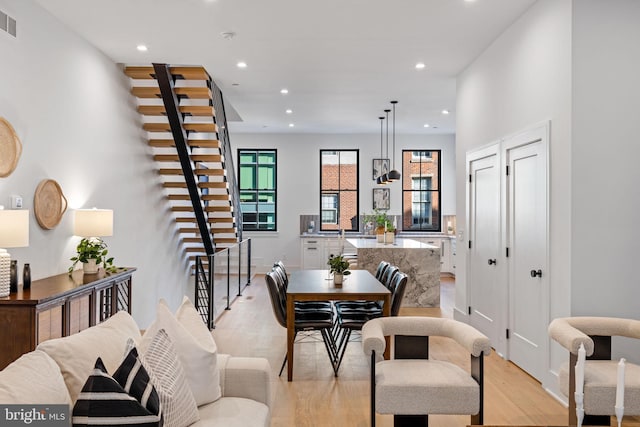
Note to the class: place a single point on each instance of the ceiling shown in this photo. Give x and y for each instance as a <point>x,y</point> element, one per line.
<point>341,60</point>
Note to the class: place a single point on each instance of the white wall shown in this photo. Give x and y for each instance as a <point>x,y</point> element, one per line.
<point>71,107</point>
<point>299,181</point>
<point>605,174</point>
<point>524,77</point>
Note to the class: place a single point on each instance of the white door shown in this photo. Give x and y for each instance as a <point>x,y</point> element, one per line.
<point>487,293</point>
<point>527,240</point>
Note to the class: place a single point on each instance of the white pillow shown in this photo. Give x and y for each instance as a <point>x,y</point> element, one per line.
<point>161,360</point>
<point>195,347</point>
<point>76,354</point>
<point>33,379</point>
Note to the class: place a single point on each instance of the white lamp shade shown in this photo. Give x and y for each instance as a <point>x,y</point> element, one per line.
<point>93,223</point>
<point>14,228</point>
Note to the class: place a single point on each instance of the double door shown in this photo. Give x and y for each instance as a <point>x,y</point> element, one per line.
<point>507,221</point>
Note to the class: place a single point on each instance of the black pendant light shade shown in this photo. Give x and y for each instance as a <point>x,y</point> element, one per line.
<point>393,175</point>
<point>384,178</point>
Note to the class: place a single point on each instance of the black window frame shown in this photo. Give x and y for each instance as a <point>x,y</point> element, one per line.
<point>433,194</point>
<point>355,226</point>
<point>258,191</point>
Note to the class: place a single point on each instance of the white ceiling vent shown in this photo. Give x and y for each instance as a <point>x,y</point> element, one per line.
<point>8,24</point>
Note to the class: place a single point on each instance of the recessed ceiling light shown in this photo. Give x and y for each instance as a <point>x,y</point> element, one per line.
<point>227,35</point>
<point>289,111</point>
<point>241,64</point>
<point>235,84</point>
<point>420,66</point>
<point>291,125</point>
<point>445,111</point>
<point>284,91</point>
<point>141,48</point>
<point>426,125</point>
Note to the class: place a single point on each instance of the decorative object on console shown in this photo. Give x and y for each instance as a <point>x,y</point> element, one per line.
<point>92,225</point>
<point>10,148</point>
<point>49,204</point>
<point>26,276</point>
<point>14,233</point>
<point>13,281</point>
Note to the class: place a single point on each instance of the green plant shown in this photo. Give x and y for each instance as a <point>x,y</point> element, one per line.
<point>93,248</point>
<point>380,218</point>
<point>339,265</point>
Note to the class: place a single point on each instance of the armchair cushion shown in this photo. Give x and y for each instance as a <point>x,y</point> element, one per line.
<point>600,378</point>
<point>570,332</point>
<point>245,377</point>
<point>414,387</point>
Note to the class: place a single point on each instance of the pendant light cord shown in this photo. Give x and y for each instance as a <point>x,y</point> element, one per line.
<point>387,114</point>
<point>394,133</point>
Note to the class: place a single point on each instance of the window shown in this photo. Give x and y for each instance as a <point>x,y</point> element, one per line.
<point>257,182</point>
<point>339,190</point>
<point>421,190</point>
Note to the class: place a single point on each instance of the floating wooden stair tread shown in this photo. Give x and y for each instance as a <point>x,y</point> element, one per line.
<point>187,73</point>
<point>222,240</point>
<point>191,127</point>
<point>215,158</point>
<point>210,220</point>
<point>225,208</point>
<point>172,184</point>
<point>215,230</point>
<point>202,143</point>
<point>174,171</point>
<point>211,197</point>
<point>188,110</point>
<point>181,92</point>
<point>178,197</point>
<point>191,240</point>
<point>222,184</point>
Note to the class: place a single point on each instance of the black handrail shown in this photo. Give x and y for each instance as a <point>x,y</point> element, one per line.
<point>171,105</point>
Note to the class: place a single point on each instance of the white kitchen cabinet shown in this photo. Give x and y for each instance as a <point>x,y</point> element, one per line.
<point>313,253</point>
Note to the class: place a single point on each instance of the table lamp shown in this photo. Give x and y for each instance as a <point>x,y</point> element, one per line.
<point>93,222</point>
<point>14,233</point>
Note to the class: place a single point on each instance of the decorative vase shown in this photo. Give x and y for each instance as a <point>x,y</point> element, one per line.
<point>5,268</point>
<point>389,237</point>
<point>26,276</point>
<point>338,278</point>
<point>14,276</point>
<point>90,267</point>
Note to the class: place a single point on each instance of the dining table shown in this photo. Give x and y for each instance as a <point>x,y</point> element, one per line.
<point>317,285</point>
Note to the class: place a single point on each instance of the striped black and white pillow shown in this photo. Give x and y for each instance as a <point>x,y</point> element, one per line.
<point>103,401</point>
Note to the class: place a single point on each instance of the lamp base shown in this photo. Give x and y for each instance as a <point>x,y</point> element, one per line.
<point>5,273</point>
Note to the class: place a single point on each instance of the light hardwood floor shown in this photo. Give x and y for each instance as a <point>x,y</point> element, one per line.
<point>316,398</point>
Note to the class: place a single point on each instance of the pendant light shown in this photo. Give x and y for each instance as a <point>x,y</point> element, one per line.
<point>383,179</point>
<point>394,175</point>
<point>379,178</point>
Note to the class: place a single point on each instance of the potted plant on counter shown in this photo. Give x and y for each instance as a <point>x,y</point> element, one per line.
<point>339,267</point>
<point>92,253</point>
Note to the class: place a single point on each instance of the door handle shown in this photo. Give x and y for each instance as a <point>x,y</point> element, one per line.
<point>536,273</point>
<point>492,261</point>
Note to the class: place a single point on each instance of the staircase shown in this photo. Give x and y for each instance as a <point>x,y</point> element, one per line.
<point>183,114</point>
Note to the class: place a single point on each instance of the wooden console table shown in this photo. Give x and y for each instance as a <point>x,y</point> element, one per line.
<point>59,306</point>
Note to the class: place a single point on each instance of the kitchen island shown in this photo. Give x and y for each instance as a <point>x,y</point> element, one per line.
<point>420,261</point>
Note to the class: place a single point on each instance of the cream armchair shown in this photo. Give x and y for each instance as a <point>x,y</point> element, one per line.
<point>600,375</point>
<point>411,386</point>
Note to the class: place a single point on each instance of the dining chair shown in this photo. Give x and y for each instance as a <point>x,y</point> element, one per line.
<point>411,386</point>
<point>305,320</point>
<point>353,320</point>
<point>369,307</point>
<point>279,269</point>
<point>600,372</point>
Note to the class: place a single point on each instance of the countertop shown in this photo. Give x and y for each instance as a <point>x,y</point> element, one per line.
<point>399,243</point>
<point>401,235</point>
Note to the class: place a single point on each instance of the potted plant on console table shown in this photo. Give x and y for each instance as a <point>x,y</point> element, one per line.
<point>92,253</point>
<point>339,267</point>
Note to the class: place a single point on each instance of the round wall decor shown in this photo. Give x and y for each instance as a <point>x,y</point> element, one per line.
<point>49,204</point>
<point>10,148</point>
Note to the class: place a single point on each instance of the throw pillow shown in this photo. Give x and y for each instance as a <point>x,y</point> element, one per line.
<point>196,349</point>
<point>77,353</point>
<point>167,374</point>
<point>33,379</point>
<point>134,379</point>
<point>103,401</point>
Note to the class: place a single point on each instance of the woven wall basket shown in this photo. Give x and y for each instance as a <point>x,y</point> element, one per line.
<point>49,204</point>
<point>10,148</point>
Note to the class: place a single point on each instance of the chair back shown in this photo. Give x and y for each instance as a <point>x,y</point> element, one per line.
<point>397,287</point>
<point>382,267</point>
<point>280,265</point>
<point>282,275</point>
<point>387,277</point>
<point>276,292</point>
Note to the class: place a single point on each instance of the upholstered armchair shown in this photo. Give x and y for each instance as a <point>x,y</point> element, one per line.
<point>411,386</point>
<point>600,373</point>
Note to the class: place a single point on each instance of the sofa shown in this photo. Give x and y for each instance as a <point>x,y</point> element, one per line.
<point>57,372</point>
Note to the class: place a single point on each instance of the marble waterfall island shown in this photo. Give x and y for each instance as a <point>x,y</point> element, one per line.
<point>420,261</point>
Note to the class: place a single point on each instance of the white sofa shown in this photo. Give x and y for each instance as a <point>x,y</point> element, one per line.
<point>55,372</point>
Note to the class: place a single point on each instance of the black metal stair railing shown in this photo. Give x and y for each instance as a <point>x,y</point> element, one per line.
<point>225,148</point>
<point>171,104</point>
